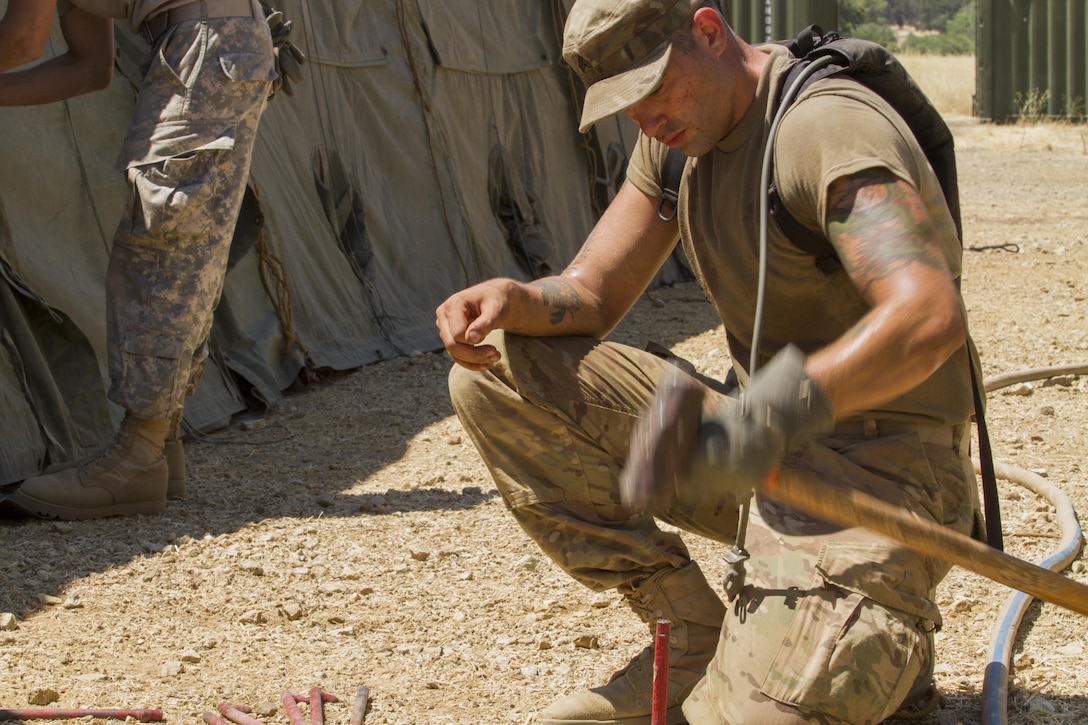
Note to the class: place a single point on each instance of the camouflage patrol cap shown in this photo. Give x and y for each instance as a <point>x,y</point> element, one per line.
<point>620,48</point>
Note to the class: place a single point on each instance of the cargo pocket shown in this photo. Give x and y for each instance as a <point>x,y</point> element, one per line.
<point>860,639</point>
<point>150,369</point>
<point>172,198</point>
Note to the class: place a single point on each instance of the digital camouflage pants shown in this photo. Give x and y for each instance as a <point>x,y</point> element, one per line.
<point>186,158</point>
<point>833,626</point>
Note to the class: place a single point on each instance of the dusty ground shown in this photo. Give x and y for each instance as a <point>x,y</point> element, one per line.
<point>354,538</point>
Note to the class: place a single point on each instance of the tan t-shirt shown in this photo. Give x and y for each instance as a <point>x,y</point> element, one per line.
<point>836,128</point>
<point>137,11</point>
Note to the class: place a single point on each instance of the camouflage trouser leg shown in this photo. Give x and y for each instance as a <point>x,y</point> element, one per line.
<point>836,626</point>
<point>552,421</point>
<point>187,159</point>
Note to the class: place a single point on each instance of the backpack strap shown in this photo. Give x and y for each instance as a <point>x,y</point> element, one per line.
<point>671,173</point>
<point>806,41</point>
<point>811,43</point>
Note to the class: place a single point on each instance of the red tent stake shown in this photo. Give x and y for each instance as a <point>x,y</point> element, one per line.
<point>661,672</point>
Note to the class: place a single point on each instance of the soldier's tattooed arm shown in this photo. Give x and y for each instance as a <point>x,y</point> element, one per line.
<point>890,248</point>
<point>615,265</point>
<point>561,298</point>
<point>879,226</point>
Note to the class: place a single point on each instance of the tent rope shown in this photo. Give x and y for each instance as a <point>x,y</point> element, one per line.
<point>277,286</point>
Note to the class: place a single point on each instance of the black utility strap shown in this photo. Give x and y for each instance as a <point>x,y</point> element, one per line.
<point>671,173</point>
<point>990,501</point>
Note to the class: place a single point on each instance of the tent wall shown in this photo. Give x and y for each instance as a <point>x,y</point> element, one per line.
<point>430,146</point>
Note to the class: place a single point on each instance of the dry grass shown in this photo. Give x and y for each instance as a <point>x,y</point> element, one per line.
<point>948,80</point>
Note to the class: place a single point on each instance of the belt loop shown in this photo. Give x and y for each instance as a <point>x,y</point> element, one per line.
<point>204,10</point>
<point>959,432</point>
<point>868,427</point>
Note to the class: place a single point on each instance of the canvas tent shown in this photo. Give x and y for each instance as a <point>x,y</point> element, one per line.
<point>431,145</point>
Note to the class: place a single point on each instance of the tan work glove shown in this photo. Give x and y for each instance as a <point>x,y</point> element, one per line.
<point>289,58</point>
<point>679,454</point>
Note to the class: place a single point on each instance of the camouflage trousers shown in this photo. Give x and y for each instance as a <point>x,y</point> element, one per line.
<point>832,626</point>
<point>186,158</point>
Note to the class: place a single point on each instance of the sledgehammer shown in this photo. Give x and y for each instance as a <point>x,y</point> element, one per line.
<point>668,434</point>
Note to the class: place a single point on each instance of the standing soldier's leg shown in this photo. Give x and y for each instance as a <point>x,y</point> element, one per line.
<point>187,154</point>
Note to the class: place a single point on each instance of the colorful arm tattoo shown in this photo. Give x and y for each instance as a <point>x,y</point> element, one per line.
<point>879,226</point>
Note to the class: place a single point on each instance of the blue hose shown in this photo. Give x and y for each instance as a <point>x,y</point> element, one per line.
<point>995,682</point>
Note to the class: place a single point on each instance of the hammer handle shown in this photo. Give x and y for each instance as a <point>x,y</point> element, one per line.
<point>844,506</point>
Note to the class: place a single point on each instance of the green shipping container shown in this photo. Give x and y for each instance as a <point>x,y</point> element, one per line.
<point>758,21</point>
<point>1031,59</point>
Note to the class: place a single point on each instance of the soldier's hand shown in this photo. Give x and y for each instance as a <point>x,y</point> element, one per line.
<point>467,317</point>
<point>681,454</point>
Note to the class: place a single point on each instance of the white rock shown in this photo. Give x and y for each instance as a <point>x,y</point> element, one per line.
<point>171,668</point>
<point>525,563</point>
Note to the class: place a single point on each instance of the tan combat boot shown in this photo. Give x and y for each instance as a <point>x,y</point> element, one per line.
<point>174,452</point>
<point>129,477</point>
<point>683,597</point>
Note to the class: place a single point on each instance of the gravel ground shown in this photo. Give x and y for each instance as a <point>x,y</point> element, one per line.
<point>353,538</point>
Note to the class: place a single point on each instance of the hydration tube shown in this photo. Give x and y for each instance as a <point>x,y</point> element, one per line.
<point>733,580</point>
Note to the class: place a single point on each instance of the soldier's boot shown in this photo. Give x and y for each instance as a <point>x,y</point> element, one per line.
<point>174,452</point>
<point>129,477</point>
<point>683,597</point>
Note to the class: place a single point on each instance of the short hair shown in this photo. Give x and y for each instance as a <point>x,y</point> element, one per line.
<point>682,39</point>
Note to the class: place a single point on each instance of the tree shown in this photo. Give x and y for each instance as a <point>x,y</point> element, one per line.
<point>853,13</point>
<point>903,12</point>
<point>958,37</point>
<point>935,14</point>
<point>928,14</point>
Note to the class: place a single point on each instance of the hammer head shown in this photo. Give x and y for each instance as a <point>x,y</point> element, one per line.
<point>663,442</point>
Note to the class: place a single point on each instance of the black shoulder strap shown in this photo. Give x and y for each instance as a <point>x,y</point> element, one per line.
<point>809,43</point>
<point>671,173</point>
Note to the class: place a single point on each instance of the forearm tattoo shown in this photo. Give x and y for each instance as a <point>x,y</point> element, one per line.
<point>880,225</point>
<point>561,297</point>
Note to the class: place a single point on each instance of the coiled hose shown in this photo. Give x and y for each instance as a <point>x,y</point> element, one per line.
<point>995,682</point>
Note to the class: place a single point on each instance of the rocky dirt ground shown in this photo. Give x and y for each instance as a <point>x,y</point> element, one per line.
<point>353,538</point>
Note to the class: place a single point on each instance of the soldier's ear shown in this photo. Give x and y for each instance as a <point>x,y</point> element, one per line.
<point>708,27</point>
